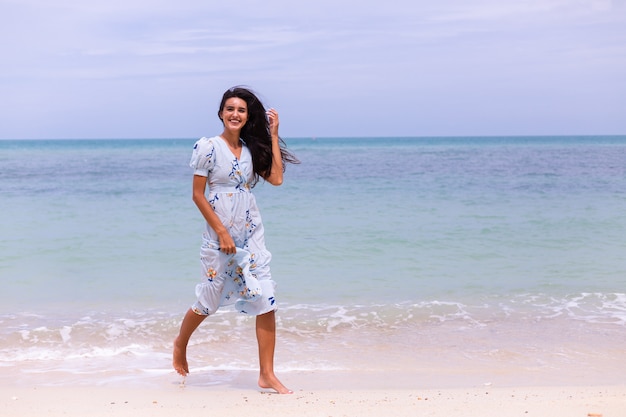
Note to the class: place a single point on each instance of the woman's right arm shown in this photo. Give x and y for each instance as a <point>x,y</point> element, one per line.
<point>227,244</point>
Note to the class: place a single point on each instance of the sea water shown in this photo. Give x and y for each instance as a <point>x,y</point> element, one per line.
<point>388,253</point>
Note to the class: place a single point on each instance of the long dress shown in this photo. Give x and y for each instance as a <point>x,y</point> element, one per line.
<point>243,279</point>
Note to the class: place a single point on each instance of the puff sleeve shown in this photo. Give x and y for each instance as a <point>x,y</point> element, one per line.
<point>203,157</point>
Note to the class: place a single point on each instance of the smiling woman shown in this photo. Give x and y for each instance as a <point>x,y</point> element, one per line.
<point>234,259</point>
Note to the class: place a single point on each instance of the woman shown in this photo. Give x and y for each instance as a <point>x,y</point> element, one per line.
<point>234,259</point>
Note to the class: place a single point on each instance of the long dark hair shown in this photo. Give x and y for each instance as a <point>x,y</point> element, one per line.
<point>256,133</point>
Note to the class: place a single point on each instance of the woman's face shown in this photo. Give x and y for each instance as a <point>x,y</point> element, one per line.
<point>234,114</point>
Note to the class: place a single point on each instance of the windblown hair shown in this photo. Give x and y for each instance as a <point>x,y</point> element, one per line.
<point>256,133</point>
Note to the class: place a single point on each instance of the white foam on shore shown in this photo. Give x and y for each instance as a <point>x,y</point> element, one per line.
<point>529,331</point>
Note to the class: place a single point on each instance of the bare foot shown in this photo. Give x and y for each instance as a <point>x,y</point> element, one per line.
<point>272,382</point>
<point>179,360</point>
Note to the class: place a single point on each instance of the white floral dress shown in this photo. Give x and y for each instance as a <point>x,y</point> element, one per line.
<point>243,279</point>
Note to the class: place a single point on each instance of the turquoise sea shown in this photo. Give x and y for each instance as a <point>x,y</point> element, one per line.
<point>388,253</point>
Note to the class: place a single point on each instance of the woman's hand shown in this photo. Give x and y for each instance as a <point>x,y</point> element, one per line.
<point>227,244</point>
<point>272,116</point>
<point>276,171</point>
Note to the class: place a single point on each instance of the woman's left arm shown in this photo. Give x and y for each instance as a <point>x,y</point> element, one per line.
<point>276,174</point>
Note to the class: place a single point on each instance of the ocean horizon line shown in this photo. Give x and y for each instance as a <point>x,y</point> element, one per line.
<point>428,137</point>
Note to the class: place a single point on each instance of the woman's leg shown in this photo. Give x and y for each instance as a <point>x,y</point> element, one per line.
<point>266,338</point>
<point>187,327</point>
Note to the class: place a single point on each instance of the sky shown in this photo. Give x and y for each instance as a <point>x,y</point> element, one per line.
<point>355,68</point>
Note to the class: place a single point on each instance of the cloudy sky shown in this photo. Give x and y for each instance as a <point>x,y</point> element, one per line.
<point>157,68</point>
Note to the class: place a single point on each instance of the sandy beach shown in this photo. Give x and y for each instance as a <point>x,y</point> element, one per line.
<point>609,401</point>
<point>316,394</point>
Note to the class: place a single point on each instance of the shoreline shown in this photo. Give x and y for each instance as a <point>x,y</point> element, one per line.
<point>359,394</point>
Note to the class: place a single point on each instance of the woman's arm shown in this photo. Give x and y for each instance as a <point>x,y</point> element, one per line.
<point>227,244</point>
<point>276,172</point>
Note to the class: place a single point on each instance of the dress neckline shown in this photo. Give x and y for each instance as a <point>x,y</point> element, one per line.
<point>231,150</point>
